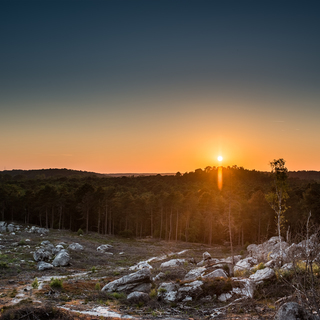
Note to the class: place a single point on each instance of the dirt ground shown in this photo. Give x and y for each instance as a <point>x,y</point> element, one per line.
<point>18,271</point>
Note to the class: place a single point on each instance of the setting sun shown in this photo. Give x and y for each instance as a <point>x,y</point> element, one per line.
<point>220,158</point>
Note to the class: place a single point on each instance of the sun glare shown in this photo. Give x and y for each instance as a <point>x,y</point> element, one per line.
<point>220,158</point>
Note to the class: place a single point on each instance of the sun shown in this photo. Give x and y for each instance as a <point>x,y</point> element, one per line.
<point>220,158</point>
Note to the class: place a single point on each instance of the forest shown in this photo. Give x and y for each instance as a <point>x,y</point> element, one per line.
<point>182,207</point>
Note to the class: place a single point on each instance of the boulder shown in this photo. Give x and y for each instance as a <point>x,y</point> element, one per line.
<point>75,247</point>
<point>138,281</point>
<point>262,275</point>
<point>3,226</point>
<point>245,264</point>
<point>172,263</point>
<point>140,265</point>
<point>287,267</point>
<point>159,276</point>
<point>195,273</point>
<point>45,242</point>
<point>57,249</point>
<point>42,254</point>
<point>219,273</point>
<point>190,290</point>
<point>138,297</point>
<point>206,256</point>
<point>104,247</point>
<point>245,287</point>
<point>267,250</point>
<point>44,266</point>
<point>208,262</point>
<point>62,259</point>
<point>293,311</point>
<point>225,297</point>
<point>168,292</point>
<point>10,227</point>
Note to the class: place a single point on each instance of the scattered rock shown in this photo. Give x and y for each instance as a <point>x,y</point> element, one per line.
<point>168,292</point>
<point>138,297</point>
<point>225,297</point>
<point>219,273</point>
<point>245,264</point>
<point>195,273</point>
<point>140,265</point>
<point>245,287</point>
<point>42,254</point>
<point>206,256</point>
<point>62,259</point>
<point>104,247</point>
<point>172,263</point>
<point>293,311</point>
<point>75,247</point>
<point>190,290</point>
<point>44,266</point>
<point>138,281</point>
<point>262,275</point>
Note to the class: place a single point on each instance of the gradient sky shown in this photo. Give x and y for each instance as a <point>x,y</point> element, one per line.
<point>159,86</point>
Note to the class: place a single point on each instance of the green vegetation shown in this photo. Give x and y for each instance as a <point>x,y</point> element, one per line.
<point>35,283</point>
<point>173,207</point>
<point>97,286</point>
<point>56,283</point>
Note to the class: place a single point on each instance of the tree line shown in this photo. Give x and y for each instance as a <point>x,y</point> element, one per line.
<point>185,207</point>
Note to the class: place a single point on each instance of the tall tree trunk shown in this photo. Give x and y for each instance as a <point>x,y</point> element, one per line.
<point>99,218</point>
<point>170,225</point>
<point>87,221</point>
<point>60,216</point>
<point>151,222</point>
<point>177,223</point>
<point>230,234</point>
<point>52,217</point>
<point>47,222</point>
<point>210,232</point>
<point>161,218</point>
<point>106,220</point>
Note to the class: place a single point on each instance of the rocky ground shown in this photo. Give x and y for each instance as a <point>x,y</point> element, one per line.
<point>96,276</point>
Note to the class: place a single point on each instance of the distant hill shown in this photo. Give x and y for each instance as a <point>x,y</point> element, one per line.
<point>48,173</point>
<point>67,173</point>
<point>305,175</point>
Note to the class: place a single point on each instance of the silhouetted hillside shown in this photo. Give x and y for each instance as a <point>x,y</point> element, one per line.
<point>48,173</point>
<point>305,175</point>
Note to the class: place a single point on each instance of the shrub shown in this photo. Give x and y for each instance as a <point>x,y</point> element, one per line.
<point>56,283</point>
<point>35,283</point>
<point>80,232</point>
<point>216,286</point>
<point>118,295</point>
<point>153,293</point>
<point>97,286</point>
<point>260,266</point>
<point>93,269</point>
<point>242,273</point>
<point>21,243</point>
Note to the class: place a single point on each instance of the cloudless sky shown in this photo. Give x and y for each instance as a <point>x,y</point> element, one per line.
<point>159,86</point>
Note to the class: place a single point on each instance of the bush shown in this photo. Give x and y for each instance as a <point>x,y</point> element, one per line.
<point>80,232</point>
<point>260,266</point>
<point>56,283</point>
<point>93,269</point>
<point>153,293</point>
<point>35,283</point>
<point>216,286</point>
<point>97,286</point>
